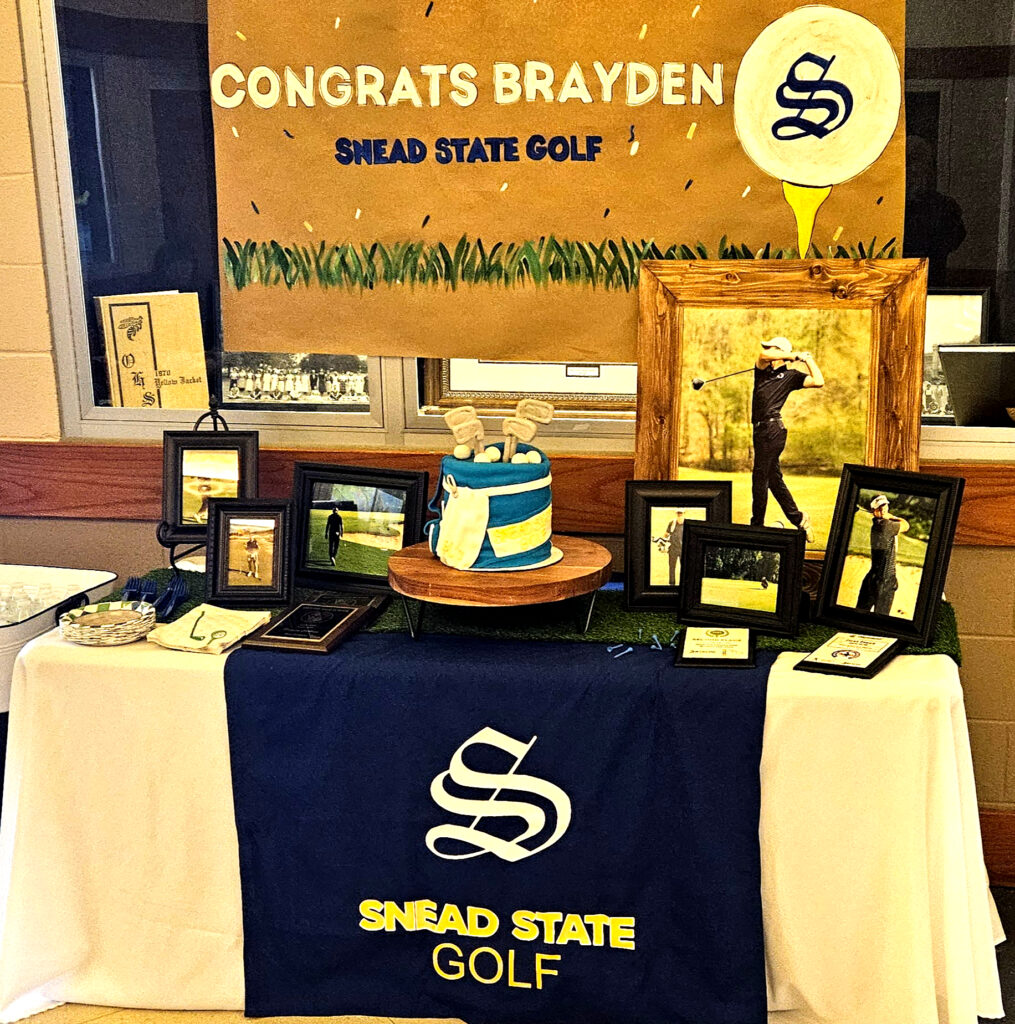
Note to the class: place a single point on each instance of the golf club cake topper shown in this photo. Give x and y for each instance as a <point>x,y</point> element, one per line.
<point>493,503</point>
<point>816,102</point>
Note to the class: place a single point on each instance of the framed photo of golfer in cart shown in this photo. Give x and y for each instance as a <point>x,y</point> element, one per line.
<point>656,511</point>
<point>249,552</point>
<point>741,576</point>
<point>772,374</point>
<point>888,552</point>
<point>349,520</point>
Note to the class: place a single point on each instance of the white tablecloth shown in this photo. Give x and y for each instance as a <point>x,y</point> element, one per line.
<point>119,879</point>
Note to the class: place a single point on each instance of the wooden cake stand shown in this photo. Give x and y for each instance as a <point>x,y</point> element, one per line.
<point>414,572</point>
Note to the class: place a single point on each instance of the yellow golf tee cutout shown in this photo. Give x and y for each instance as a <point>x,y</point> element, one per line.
<point>805,201</point>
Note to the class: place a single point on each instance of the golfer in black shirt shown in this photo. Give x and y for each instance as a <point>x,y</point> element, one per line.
<point>877,589</point>
<point>774,381</point>
<point>333,530</point>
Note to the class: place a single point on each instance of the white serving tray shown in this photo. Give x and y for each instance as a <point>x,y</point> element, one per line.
<point>86,585</point>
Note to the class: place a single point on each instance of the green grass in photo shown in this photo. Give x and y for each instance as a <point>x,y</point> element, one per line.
<point>367,542</point>
<point>611,264</point>
<point>743,594</point>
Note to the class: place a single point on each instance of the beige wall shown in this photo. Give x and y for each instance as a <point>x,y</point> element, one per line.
<point>28,402</point>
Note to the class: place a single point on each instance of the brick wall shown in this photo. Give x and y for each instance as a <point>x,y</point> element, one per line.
<point>28,400</point>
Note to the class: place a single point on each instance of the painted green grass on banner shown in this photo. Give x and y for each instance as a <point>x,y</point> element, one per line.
<point>611,264</point>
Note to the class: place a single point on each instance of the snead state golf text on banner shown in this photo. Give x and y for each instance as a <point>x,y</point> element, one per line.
<point>483,179</point>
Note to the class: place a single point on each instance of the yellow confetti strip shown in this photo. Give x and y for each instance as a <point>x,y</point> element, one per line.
<point>838,232</point>
<point>503,187</point>
<point>358,212</point>
<point>743,195</point>
<point>235,132</point>
<point>694,13</point>
<point>692,129</point>
<point>308,225</point>
<point>644,30</point>
<point>634,147</point>
<point>239,35</point>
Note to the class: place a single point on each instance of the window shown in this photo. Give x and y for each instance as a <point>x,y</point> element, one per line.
<point>129,131</point>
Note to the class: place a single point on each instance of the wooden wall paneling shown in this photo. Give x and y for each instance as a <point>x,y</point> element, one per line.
<point>71,480</point>
<point>997,829</point>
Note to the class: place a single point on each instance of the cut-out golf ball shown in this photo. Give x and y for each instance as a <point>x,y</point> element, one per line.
<point>519,458</point>
<point>493,453</point>
<point>462,451</point>
<point>481,457</point>
<point>534,457</point>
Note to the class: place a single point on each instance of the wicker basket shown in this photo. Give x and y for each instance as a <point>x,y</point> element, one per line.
<point>76,627</point>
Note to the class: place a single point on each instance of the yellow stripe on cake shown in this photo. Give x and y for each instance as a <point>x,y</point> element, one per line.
<point>515,538</point>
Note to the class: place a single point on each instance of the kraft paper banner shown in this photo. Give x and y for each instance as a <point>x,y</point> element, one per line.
<point>482,179</point>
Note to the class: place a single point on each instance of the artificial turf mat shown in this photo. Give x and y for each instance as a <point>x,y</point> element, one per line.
<point>611,622</point>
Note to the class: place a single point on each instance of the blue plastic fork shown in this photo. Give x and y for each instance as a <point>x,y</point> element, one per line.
<point>173,596</point>
<point>132,588</point>
<point>147,591</point>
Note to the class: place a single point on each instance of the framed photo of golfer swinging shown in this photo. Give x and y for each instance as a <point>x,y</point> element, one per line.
<point>772,374</point>
<point>888,552</point>
<point>349,520</point>
<point>656,511</point>
<point>249,549</point>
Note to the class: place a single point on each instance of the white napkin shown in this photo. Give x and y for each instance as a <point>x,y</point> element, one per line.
<point>208,629</point>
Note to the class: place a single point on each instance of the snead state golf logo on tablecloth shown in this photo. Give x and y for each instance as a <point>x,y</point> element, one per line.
<point>477,178</point>
<point>489,964</point>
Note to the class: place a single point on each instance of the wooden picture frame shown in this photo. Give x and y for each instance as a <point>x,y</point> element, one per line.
<point>351,569</point>
<point>893,291</point>
<point>643,545</point>
<point>239,448</point>
<point>249,561</point>
<point>930,507</point>
<point>742,601</point>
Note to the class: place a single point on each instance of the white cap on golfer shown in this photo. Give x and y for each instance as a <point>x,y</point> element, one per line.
<point>879,502</point>
<point>778,342</point>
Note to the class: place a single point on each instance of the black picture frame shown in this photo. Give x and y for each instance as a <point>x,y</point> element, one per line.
<point>227,583</point>
<point>946,491</point>
<point>788,544</point>
<point>306,475</point>
<point>315,627</point>
<point>932,372</point>
<point>175,445</point>
<point>642,496</point>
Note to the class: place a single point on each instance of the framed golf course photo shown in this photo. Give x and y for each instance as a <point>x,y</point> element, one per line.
<point>888,552</point>
<point>772,374</point>
<point>350,519</point>
<point>741,576</point>
<point>249,547</point>
<point>198,466</point>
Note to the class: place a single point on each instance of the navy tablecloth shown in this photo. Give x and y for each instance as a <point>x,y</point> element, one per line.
<point>598,815</point>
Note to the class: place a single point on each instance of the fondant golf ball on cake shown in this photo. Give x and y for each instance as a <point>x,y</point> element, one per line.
<point>494,503</point>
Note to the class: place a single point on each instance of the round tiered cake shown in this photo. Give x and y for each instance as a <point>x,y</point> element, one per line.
<point>493,516</point>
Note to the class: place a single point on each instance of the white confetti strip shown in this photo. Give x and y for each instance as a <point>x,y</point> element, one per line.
<point>308,225</point>
<point>358,212</point>
<point>743,195</point>
<point>692,129</point>
<point>338,21</point>
<point>239,35</point>
<point>642,33</point>
<point>838,233</point>
<point>634,147</point>
<point>694,13</point>
<point>503,187</point>
<point>236,134</point>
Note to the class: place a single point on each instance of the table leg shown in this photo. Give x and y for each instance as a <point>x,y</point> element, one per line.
<point>414,623</point>
<point>585,616</point>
